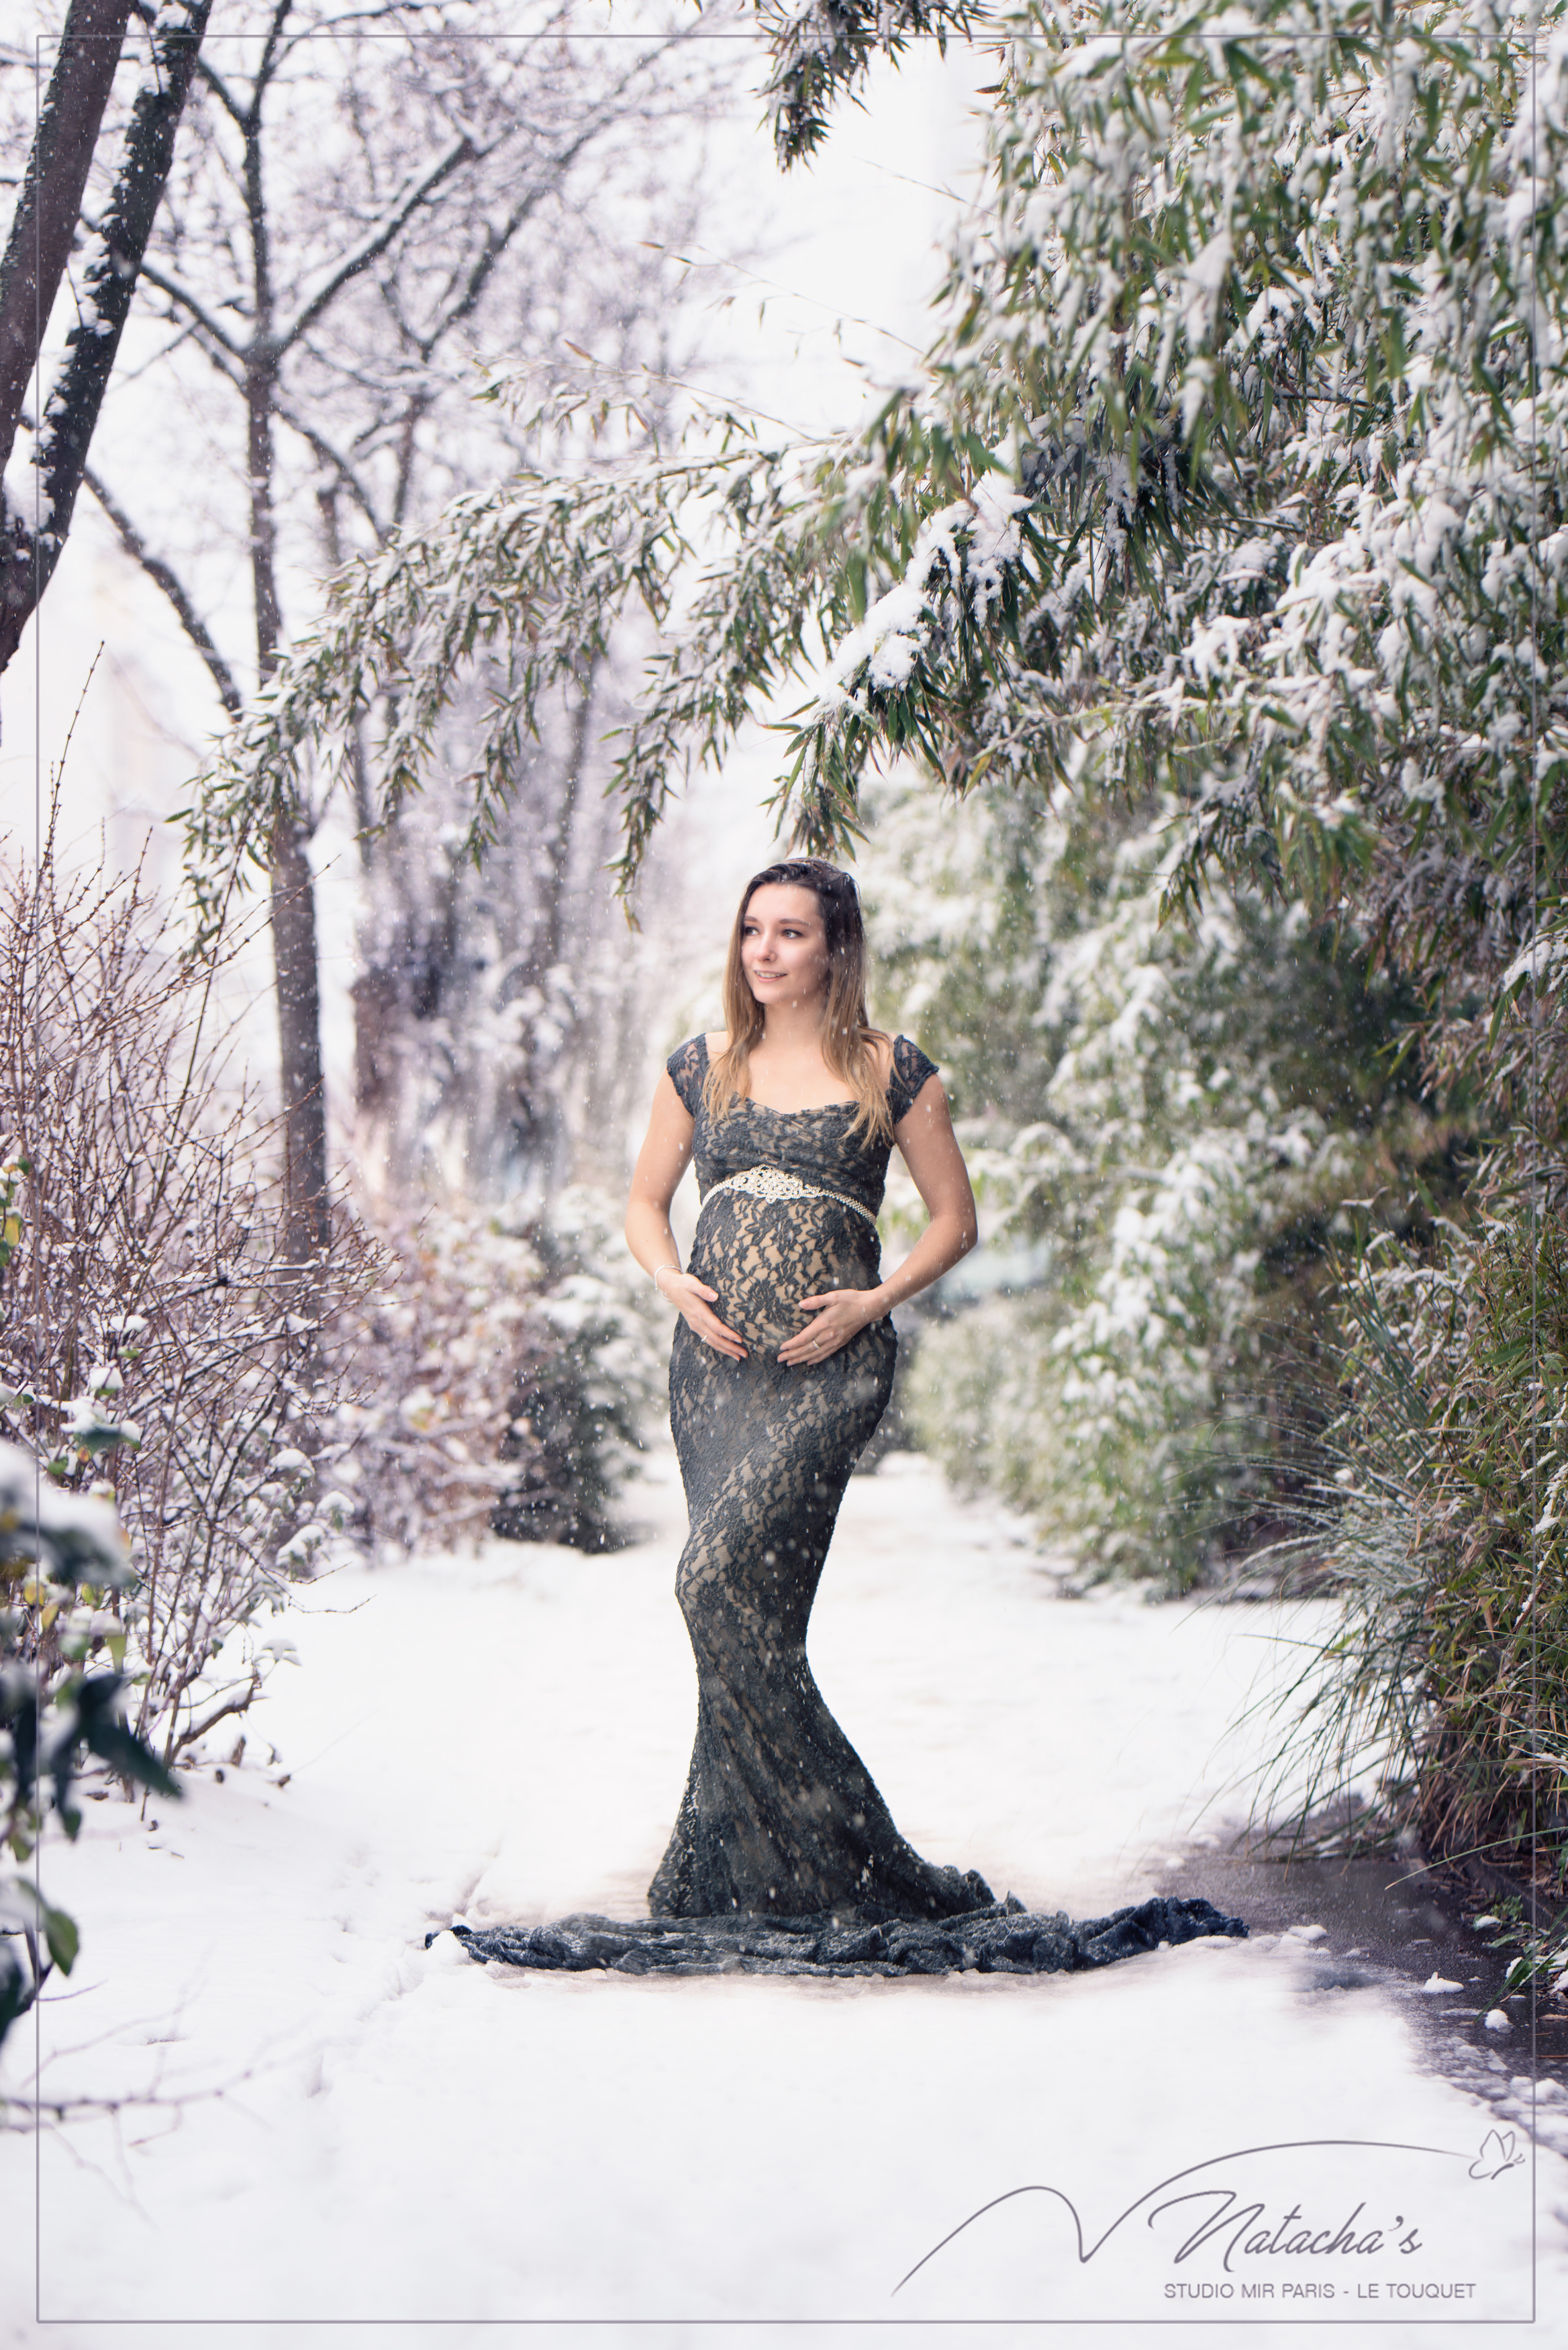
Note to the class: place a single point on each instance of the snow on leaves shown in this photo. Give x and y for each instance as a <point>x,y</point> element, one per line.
<point>1268,312</point>
<point>1238,455</point>
<point>826,47</point>
<point>971,543</point>
<point>546,566</point>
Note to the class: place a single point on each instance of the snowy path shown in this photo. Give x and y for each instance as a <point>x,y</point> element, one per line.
<point>404,2135</point>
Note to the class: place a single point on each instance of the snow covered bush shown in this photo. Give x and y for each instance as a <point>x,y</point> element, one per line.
<point>435,1343</point>
<point>503,1365</point>
<point>1164,1120</point>
<point>156,1347</point>
<point>579,1419</point>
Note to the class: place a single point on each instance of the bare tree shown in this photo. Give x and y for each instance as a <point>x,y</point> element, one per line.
<point>348,215</point>
<point>471,1011</point>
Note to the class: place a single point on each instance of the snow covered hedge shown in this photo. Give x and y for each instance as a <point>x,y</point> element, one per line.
<point>1164,1120</point>
<point>504,1370</point>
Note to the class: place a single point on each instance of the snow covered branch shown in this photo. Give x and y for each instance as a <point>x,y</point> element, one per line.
<point>823,50</point>
<point>33,547</point>
<point>1269,319</point>
<point>548,569</point>
<point>416,191</point>
<point>163,576</point>
<point>165,279</point>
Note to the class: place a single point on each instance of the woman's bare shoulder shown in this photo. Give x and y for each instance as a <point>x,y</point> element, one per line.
<point>717,1043</point>
<point>881,1048</point>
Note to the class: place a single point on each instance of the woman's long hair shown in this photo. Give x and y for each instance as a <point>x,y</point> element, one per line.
<point>849,1039</point>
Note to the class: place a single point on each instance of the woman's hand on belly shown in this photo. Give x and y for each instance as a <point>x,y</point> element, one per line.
<point>838,1316</point>
<point>695,1301</point>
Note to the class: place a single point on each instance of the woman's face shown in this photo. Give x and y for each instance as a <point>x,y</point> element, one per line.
<point>784,945</point>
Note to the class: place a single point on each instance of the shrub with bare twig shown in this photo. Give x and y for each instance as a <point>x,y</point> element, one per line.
<point>156,1347</point>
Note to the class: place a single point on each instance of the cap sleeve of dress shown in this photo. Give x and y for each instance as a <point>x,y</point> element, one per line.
<point>908,1073</point>
<point>688,1066</point>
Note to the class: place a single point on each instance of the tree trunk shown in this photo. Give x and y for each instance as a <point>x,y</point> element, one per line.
<point>294,961</point>
<point>359,766</point>
<point>299,1043</point>
<point>109,283</point>
<point>50,207</point>
<point>295,958</point>
<point>559,850</point>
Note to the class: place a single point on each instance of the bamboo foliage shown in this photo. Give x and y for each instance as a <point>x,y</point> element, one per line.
<point>547,567</point>
<point>1239,450</point>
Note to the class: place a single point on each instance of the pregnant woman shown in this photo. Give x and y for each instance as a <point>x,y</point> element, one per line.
<point>785,1859</point>
<point>782,1369</point>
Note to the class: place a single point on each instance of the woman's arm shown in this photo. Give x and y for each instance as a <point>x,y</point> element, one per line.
<point>926,1138</point>
<point>664,1158</point>
<point>925,1135</point>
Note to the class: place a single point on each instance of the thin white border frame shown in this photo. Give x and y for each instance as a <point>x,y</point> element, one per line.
<point>753,41</point>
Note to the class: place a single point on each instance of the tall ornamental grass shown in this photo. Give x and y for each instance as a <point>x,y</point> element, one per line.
<point>1442,1696</point>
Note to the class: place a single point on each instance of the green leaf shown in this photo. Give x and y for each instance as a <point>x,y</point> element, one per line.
<point>60,1934</point>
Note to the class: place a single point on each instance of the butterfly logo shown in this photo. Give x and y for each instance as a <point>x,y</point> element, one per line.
<point>1497,2154</point>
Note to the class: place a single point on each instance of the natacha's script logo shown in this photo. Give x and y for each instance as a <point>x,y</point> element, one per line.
<point>1199,2213</point>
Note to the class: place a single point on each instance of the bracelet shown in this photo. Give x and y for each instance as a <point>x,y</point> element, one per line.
<point>663,1268</point>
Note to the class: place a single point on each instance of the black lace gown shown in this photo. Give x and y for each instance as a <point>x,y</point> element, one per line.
<point>785,1859</point>
<point>780,1817</point>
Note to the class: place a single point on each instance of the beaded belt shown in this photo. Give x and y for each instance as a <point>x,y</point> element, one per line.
<point>773,1183</point>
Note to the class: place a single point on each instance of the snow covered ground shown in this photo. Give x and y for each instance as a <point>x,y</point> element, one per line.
<point>352,2128</point>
